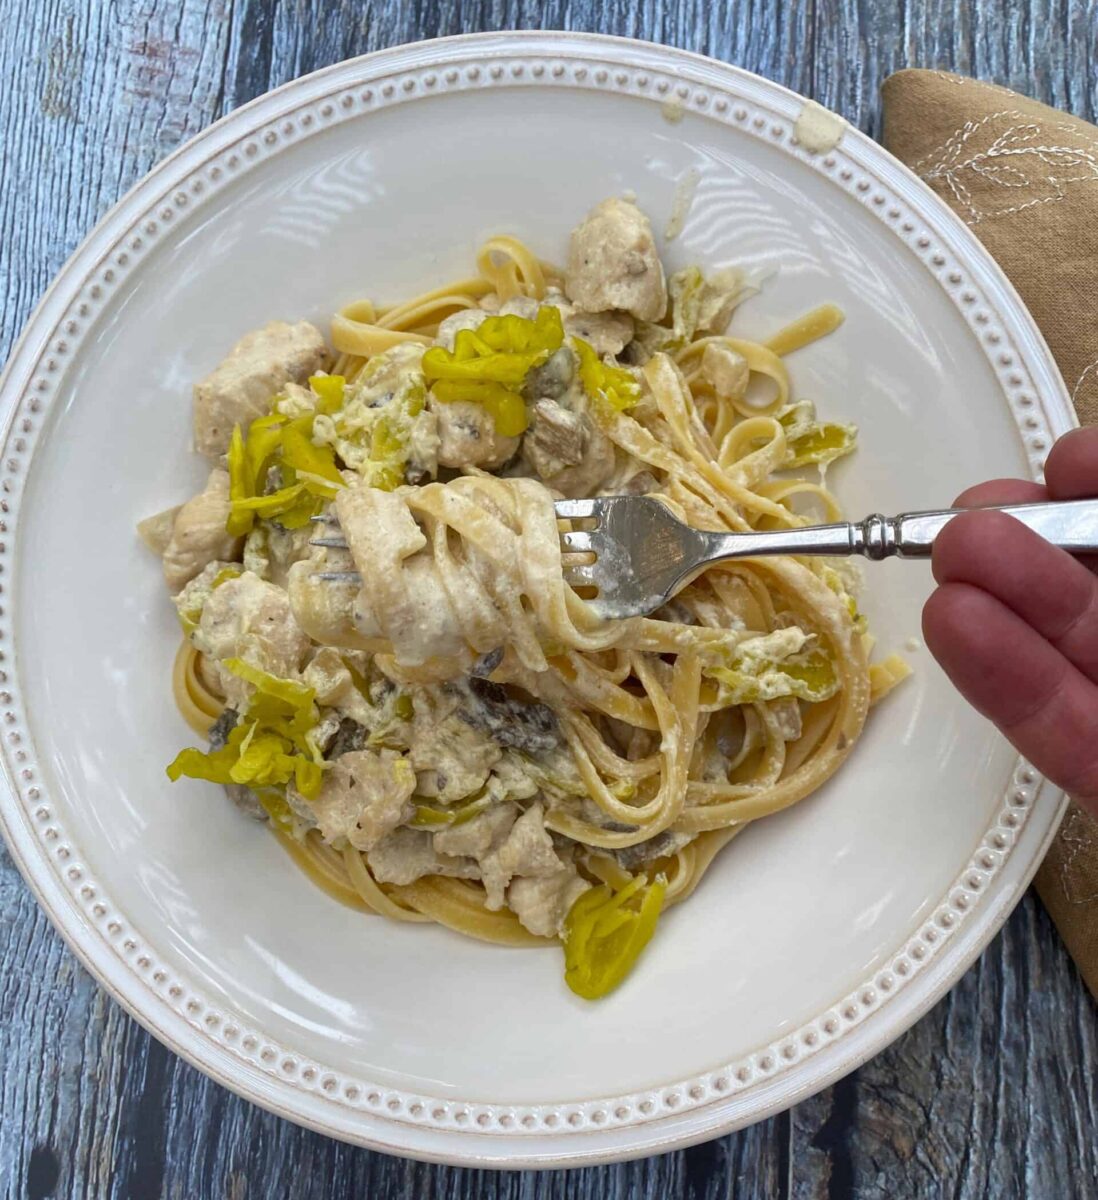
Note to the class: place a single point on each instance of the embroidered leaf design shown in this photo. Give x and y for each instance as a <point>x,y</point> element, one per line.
<point>999,173</point>
<point>1064,158</point>
<point>1014,136</point>
<point>1035,164</point>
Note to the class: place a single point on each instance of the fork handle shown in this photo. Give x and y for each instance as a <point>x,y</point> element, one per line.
<point>1070,524</point>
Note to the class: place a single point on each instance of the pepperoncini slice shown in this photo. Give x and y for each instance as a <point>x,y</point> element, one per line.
<point>387,455</point>
<point>822,444</point>
<point>223,576</point>
<point>611,385</point>
<point>488,365</point>
<point>270,747</point>
<point>262,443</point>
<point>427,817</point>
<point>811,676</point>
<point>391,438</point>
<point>295,694</point>
<point>272,504</point>
<point>513,334</point>
<point>309,460</point>
<point>508,369</point>
<point>605,932</point>
<point>277,809</point>
<point>809,441</point>
<point>308,472</point>
<point>196,764</point>
<point>300,513</point>
<point>249,458</point>
<point>507,407</point>
<point>240,521</point>
<point>328,390</point>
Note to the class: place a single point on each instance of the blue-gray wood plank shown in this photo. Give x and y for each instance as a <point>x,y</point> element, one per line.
<point>994,1094</point>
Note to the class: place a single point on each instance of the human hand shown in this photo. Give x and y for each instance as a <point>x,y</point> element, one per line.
<point>1014,620</point>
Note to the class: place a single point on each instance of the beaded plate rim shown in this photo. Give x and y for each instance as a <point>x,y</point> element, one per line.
<point>243,1059</point>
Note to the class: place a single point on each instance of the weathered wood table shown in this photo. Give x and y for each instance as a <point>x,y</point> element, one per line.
<point>994,1094</point>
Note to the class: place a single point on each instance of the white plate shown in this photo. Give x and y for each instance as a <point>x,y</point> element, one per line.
<point>822,933</point>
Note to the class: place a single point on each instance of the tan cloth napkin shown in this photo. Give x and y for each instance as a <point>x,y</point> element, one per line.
<point>1024,177</point>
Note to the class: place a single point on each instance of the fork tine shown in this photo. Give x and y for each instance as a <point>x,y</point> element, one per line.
<point>582,575</point>
<point>577,508</point>
<point>579,542</point>
<point>336,543</point>
<point>325,518</point>
<point>338,576</point>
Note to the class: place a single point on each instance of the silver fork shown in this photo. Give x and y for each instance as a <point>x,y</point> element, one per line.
<point>643,554</point>
<point>638,554</point>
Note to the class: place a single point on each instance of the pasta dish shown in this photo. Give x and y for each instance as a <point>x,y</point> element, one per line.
<point>432,722</point>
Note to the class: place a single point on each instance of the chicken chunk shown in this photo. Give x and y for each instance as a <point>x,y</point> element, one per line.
<point>586,477</point>
<point>529,849</point>
<point>606,332</point>
<point>567,451</point>
<point>556,439</point>
<point>408,854</point>
<point>553,378</point>
<point>725,370</point>
<point>198,534</point>
<point>241,387</point>
<point>270,551</point>
<point>328,676</point>
<point>613,263</point>
<point>542,902</point>
<point>467,436</point>
<point>522,306</point>
<point>512,853</point>
<point>449,327</point>
<point>250,619</point>
<point>365,796</point>
<point>156,531</point>
<point>451,758</point>
<point>191,598</point>
<point>481,835</point>
<point>284,548</point>
<point>526,850</point>
<point>639,484</point>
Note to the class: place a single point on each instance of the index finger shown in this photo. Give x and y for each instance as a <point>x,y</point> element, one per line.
<point>1008,672</point>
<point>1047,588</point>
<point>1001,491</point>
<point>1071,471</point>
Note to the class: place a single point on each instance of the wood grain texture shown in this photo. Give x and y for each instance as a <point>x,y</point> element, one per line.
<point>993,1094</point>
